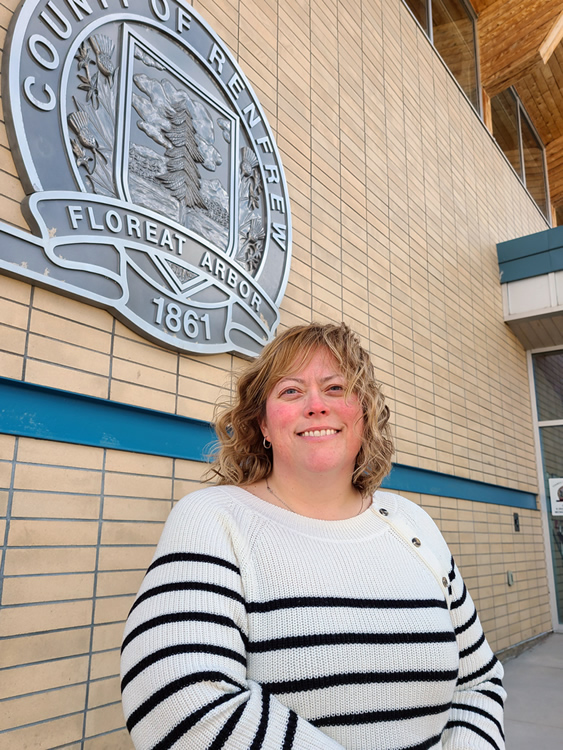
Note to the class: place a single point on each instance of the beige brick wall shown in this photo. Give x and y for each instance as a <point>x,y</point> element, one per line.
<point>399,196</point>
<point>83,524</point>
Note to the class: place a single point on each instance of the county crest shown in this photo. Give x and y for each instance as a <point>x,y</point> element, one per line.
<point>154,185</point>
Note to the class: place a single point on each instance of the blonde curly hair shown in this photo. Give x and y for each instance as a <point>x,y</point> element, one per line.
<point>241,457</point>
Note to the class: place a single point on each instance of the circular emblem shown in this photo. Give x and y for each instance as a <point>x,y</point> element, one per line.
<point>155,188</point>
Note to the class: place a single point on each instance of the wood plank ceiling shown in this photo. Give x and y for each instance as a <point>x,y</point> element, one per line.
<point>519,45</point>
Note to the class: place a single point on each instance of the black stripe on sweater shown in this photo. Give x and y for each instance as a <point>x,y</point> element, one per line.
<point>357,678</point>
<point>470,649</point>
<point>182,617</point>
<point>174,687</point>
<point>493,696</point>
<point>184,726</point>
<point>371,717</point>
<point>466,625</point>
<point>228,728</point>
<point>481,712</point>
<point>461,599</point>
<point>187,586</point>
<point>164,653</point>
<point>339,639</point>
<point>479,673</point>
<point>337,601</point>
<point>451,576</point>
<point>478,731</point>
<point>290,731</point>
<point>260,735</point>
<point>192,557</point>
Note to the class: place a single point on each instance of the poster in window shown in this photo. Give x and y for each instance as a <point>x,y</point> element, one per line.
<point>556,494</point>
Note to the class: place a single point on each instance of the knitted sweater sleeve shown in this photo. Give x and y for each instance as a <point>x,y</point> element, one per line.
<point>184,681</point>
<point>476,713</point>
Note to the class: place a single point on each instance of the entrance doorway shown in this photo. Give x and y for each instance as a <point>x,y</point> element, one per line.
<point>547,401</point>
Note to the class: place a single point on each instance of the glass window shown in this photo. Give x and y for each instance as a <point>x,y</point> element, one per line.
<point>552,454</point>
<point>548,376</point>
<point>419,9</point>
<point>504,111</point>
<point>523,149</point>
<point>454,38</point>
<point>534,171</point>
<point>548,382</point>
<point>451,28</point>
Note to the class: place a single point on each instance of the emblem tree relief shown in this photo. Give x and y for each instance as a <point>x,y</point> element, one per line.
<point>154,185</point>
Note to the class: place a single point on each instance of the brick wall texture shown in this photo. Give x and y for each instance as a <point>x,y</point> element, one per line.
<point>398,197</point>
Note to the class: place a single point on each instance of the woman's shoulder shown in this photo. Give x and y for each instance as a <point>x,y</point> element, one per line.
<point>232,506</point>
<point>418,519</point>
<point>206,517</point>
<point>213,495</point>
<point>205,503</point>
<point>399,503</point>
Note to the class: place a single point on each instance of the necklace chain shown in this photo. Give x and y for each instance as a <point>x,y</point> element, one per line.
<point>271,491</point>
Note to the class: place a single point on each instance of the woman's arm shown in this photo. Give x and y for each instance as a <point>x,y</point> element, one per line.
<point>184,652</point>
<point>475,720</point>
<point>476,714</point>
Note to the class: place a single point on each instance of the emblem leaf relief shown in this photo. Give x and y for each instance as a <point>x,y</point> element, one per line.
<point>252,233</point>
<point>93,122</point>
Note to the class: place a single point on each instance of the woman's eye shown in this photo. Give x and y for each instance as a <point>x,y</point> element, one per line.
<point>336,388</point>
<point>289,391</point>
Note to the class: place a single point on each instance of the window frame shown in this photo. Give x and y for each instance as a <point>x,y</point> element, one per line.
<point>544,501</point>
<point>429,33</point>
<point>520,115</point>
<point>522,111</point>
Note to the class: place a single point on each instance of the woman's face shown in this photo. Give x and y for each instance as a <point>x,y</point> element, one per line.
<point>312,426</point>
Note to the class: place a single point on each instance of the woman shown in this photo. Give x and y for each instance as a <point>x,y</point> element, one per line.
<point>293,605</point>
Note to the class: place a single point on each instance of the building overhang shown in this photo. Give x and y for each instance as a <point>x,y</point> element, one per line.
<point>531,274</point>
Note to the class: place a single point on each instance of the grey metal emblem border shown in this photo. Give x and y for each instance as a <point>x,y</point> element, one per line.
<point>105,249</point>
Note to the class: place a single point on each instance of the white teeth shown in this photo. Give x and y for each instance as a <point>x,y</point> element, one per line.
<point>318,433</point>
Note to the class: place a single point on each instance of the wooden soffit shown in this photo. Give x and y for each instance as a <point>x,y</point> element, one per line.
<point>554,153</point>
<point>515,36</point>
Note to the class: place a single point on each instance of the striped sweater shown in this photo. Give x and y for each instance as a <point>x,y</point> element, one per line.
<point>259,629</point>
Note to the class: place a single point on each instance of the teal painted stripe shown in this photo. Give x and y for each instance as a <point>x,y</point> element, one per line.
<point>36,411</point>
<point>532,255</point>
<point>410,479</point>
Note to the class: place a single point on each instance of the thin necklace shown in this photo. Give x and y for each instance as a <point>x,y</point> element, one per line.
<point>271,491</point>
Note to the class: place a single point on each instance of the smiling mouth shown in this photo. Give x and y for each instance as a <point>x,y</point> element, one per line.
<point>318,433</point>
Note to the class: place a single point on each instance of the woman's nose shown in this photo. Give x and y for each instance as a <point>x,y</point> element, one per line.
<point>316,404</point>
